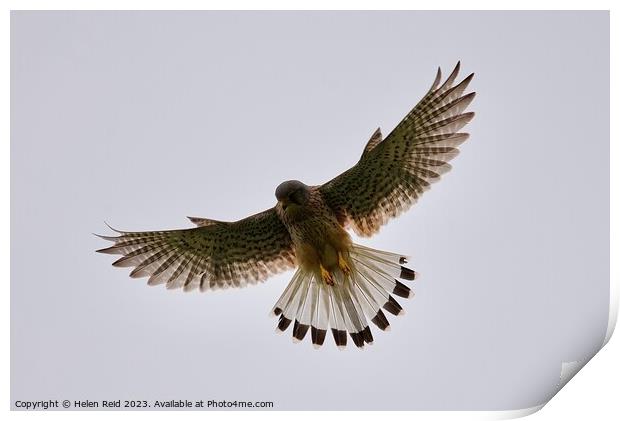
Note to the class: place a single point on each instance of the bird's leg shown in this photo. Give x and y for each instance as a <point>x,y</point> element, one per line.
<point>326,275</point>
<point>344,266</point>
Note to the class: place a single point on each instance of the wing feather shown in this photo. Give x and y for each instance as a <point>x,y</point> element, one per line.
<point>216,254</point>
<point>393,173</point>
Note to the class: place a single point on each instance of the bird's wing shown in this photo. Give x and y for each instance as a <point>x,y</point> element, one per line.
<point>215,255</point>
<point>393,173</point>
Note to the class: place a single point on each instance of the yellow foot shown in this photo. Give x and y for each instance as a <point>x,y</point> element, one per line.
<point>327,276</point>
<point>344,266</point>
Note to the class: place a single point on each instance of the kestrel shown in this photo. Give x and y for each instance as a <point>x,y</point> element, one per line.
<point>338,285</point>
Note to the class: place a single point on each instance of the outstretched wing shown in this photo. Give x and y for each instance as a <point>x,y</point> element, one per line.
<point>215,255</point>
<point>393,173</point>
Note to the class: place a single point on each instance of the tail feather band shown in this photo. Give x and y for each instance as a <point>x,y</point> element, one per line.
<point>346,306</point>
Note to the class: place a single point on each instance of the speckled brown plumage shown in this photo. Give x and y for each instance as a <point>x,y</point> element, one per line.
<point>338,284</point>
<point>393,174</point>
<point>214,255</point>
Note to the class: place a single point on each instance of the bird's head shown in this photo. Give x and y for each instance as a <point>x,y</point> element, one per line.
<point>292,195</point>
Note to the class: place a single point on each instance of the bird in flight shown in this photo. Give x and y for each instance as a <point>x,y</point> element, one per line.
<point>338,286</point>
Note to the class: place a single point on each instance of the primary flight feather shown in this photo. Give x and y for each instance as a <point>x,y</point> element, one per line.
<point>338,285</point>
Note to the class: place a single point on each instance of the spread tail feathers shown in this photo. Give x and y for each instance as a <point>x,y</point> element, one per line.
<point>310,304</point>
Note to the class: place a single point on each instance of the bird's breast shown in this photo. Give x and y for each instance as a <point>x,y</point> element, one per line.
<point>318,240</point>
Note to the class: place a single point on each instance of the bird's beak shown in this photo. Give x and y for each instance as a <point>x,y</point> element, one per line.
<point>284,203</point>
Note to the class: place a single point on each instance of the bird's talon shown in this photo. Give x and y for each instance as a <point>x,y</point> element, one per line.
<point>344,266</point>
<point>327,276</point>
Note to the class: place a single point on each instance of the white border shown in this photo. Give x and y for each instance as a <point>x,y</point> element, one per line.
<point>307,5</point>
<point>590,395</point>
